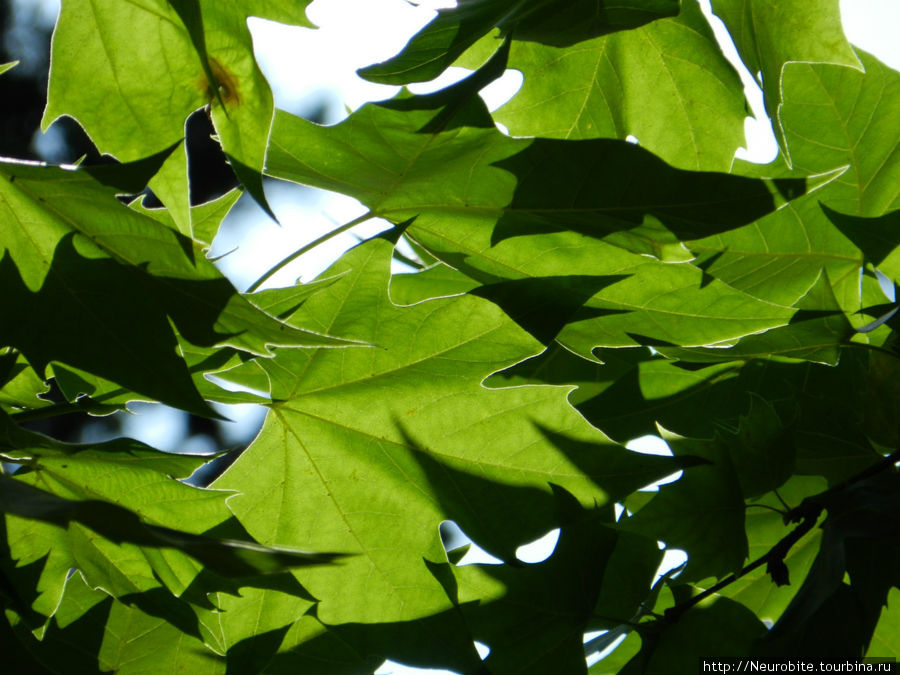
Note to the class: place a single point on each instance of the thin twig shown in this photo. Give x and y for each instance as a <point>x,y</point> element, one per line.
<point>786,506</point>
<point>807,514</point>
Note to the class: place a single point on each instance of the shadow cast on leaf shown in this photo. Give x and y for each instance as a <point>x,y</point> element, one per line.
<point>619,192</point>
<point>113,320</point>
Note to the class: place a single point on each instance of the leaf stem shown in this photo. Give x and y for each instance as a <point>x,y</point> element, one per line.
<point>786,506</point>
<point>777,552</point>
<point>308,247</point>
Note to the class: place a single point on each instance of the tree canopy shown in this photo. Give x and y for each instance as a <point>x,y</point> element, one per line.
<point>570,289</point>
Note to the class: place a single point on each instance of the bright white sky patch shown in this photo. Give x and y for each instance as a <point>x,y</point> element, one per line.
<point>540,549</point>
<point>872,25</point>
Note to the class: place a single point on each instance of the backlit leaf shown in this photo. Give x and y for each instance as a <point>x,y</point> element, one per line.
<point>549,21</point>
<point>773,36</point>
<point>75,257</point>
<point>665,83</point>
<point>335,449</point>
<point>500,208</point>
<point>134,102</point>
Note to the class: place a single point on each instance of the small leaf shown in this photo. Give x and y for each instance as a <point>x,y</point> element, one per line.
<point>666,83</point>
<point>772,37</point>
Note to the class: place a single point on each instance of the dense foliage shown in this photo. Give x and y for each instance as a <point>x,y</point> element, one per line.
<point>572,291</point>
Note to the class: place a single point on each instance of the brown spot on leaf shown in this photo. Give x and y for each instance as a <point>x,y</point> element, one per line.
<point>225,88</point>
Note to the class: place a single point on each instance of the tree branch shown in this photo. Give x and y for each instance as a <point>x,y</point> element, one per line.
<point>807,514</point>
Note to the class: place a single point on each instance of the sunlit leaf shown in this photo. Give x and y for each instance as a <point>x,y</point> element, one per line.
<point>552,22</point>
<point>566,294</point>
<point>773,36</point>
<point>835,119</point>
<point>335,449</point>
<point>134,103</point>
<point>665,83</point>
<point>501,208</point>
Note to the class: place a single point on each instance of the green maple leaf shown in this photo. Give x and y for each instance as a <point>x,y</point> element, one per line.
<point>702,513</point>
<point>309,646</point>
<point>371,449</point>
<point>854,571</point>
<point>722,628</point>
<point>453,31</point>
<point>547,605</point>
<point>816,333</point>
<point>772,37</point>
<point>883,643</point>
<point>835,119</point>
<point>101,282</point>
<point>500,208</point>
<point>131,72</point>
<point>93,632</point>
<point>116,512</point>
<point>765,527</point>
<point>19,384</point>
<point>488,388</point>
<point>665,83</point>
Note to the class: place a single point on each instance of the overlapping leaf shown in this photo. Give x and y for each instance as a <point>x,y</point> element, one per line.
<point>666,83</point>
<point>722,628</point>
<point>835,118</point>
<point>856,567</point>
<point>116,512</point>
<point>500,208</point>
<point>131,72</point>
<point>772,35</point>
<point>93,632</point>
<point>765,527</point>
<point>884,644</point>
<point>816,333</point>
<point>534,616</point>
<point>19,384</point>
<point>738,295</point>
<point>835,410</point>
<point>369,450</point>
<point>702,513</point>
<point>552,22</point>
<point>99,283</point>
